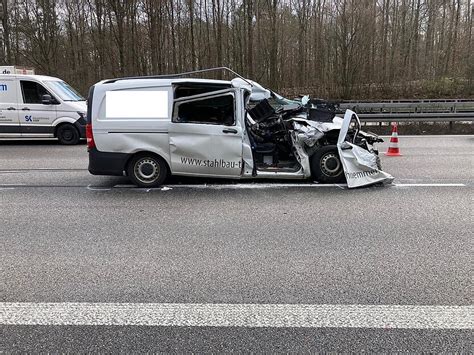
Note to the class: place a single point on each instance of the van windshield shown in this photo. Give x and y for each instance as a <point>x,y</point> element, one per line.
<point>64,91</point>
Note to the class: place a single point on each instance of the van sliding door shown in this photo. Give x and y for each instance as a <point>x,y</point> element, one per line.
<point>205,135</point>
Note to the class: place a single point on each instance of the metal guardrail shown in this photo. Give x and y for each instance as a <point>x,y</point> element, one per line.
<point>412,110</point>
<point>416,117</point>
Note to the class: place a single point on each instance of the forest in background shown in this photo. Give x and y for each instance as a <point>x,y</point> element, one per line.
<point>351,49</point>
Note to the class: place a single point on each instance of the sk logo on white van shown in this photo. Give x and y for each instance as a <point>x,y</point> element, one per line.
<point>28,119</point>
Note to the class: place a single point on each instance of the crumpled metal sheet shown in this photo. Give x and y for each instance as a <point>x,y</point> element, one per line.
<point>360,165</point>
<point>258,92</point>
<point>321,126</point>
<point>301,154</point>
<point>309,132</point>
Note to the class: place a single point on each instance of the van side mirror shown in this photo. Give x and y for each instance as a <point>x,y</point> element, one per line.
<point>46,100</point>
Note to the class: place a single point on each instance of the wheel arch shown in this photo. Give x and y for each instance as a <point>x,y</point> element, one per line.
<point>62,121</point>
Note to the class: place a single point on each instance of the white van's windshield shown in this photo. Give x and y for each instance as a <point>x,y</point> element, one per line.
<point>64,91</point>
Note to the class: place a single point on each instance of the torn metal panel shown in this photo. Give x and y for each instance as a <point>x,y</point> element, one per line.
<point>307,134</point>
<point>361,166</point>
<point>247,155</point>
<point>311,131</point>
<point>301,154</point>
<point>258,92</point>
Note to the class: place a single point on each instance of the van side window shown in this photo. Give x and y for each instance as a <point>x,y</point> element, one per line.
<point>190,89</point>
<point>32,92</point>
<point>216,110</point>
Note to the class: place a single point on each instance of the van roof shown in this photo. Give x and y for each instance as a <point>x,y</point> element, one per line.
<point>22,76</point>
<point>164,81</point>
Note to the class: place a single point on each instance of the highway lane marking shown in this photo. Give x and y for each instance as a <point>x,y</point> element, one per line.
<point>432,136</point>
<point>234,186</point>
<point>97,188</point>
<point>26,170</point>
<point>255,186</point>
<point>239,315</point>
<point>283,185</point>
<point>430,185</point>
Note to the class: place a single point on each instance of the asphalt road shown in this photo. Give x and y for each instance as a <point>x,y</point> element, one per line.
<point>68,237</point>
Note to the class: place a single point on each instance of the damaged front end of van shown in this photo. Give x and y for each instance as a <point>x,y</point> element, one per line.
<point>326,147</point>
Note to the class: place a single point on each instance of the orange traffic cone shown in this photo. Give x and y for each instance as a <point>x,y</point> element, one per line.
<point>393,150</point>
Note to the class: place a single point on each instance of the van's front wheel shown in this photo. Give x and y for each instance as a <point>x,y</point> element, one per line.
<point>68,134</point>
<point>147,170</point>
<point>326,165</point>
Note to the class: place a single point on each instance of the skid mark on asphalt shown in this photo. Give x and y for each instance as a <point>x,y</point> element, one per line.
<point>239,315</point>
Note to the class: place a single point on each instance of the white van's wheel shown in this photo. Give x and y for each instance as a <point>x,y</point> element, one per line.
<point>326,166</point>
<point>147,170</point>
<point>68,134</point>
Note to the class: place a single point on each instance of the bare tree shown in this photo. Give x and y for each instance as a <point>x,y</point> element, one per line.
<point>337,48</point>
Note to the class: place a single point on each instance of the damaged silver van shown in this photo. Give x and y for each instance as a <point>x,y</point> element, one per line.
<point>150,127</point>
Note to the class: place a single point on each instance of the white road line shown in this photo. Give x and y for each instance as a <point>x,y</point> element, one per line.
<point>92,188</point>
<point>430,185</point>
<point>235,186</point>
<point>36,170</point>
<point>432,136</point>
<point>256,186</point>
<point>280,185</point>
<point>239,315</point>
<point>244,186</point>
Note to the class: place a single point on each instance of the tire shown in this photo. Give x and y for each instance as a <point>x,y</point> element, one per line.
<point>68,134</point>
<point>147,170</point>
<point>326,166</point>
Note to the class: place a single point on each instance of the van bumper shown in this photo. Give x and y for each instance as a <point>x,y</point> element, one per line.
<point>107,163</point>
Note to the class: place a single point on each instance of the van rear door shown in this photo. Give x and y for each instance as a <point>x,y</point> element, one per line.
<point>205,135</point>
<point>9,119</point>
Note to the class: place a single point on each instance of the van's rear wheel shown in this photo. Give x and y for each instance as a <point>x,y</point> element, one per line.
<point>68,134</point>
<point>326,166</point>
<point>147,170</point>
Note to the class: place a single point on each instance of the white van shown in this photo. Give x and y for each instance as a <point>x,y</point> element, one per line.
<point>40,106</point>
<point>151,127</point>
